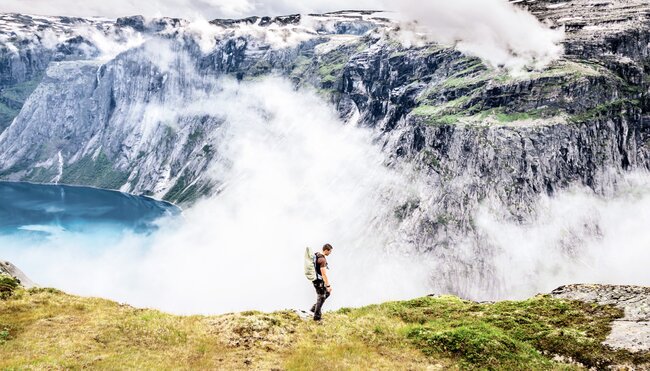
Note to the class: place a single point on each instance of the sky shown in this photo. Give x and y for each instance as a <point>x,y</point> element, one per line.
<point>179,8</point>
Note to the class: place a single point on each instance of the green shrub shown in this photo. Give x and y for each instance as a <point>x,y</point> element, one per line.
<point>8,285</point>
<point>4,334</point>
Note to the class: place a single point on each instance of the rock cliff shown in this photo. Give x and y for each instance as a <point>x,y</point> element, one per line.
<point>82,101</point>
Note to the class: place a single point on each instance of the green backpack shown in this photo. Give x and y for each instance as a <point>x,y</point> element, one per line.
<point>310,270</point>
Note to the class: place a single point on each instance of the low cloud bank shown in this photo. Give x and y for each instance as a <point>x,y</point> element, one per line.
<point>497,31</point>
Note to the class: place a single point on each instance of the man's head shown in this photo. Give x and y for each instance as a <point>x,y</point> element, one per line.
<point>327,249</point>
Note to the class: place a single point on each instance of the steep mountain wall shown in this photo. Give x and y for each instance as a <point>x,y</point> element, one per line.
<point>126,117</point>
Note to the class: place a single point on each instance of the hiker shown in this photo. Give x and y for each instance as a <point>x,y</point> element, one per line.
<point>322,282</point>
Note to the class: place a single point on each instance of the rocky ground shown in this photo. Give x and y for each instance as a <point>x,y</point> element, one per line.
<point>632,331</point>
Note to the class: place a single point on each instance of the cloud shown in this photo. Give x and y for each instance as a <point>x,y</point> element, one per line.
<point>494,30</point>
<point>118,8</point>
<point>177,8</point>
<point>576,237</point>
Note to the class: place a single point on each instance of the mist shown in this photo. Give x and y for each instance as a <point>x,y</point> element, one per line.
<point>292,176</point>
<point>500,33</point>
<point>576,237</point>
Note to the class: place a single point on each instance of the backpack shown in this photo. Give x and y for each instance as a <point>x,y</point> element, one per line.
<point>310,270</point>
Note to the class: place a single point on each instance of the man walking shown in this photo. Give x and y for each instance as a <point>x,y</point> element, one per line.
<point>322,282</point>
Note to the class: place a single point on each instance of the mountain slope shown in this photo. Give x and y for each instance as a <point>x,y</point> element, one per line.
<point>47,328</point>
<point>133,104</point>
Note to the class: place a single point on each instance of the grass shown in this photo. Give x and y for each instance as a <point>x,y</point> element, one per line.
<point>605,110</point>
<point>435,115</point>
<point>46,328</point>
<point>13,97</point>
<point>451,112</point>
<point>517,116</point>
<point>98,171</point>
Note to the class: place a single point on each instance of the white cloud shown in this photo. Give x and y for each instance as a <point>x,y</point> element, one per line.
<point>577,237</point>
<point>494,30</point>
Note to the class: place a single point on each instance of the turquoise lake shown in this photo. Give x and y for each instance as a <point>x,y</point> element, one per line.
<point>27,208</point>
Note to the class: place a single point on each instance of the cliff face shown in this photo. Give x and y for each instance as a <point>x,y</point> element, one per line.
<point>474,134</point>
<point>28,44</point>
<point>13,271</point>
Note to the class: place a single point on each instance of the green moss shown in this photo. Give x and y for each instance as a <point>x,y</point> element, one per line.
<point>431,159</point>
<point>301,65</point>
<point>404,210</point>
<point>425,110</point>
<point>443,120</point>
<point>457,82</point>
<point>618,106</point>
<point>183,191</point>
<point>434,116</point>
<point>43,175</point>
<point>327,93</point>
<point>473,65</point>
<point>328,79</point>
<point>20,92</point>
<point>7,114</point>
<point>517,116</point>
<point>328,70</point>
<point>44,328</point>
<point>443,114</point>
<point>547,325</point>
<point>479,345</point>
<point>568,71</point>
<point>194,138</point>
<point>332,63</point>
<point>177,189</point>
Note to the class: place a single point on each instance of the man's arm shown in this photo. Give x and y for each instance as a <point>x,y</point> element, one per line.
<point>327,281</point>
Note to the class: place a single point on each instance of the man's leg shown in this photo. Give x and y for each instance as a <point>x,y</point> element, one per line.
<point>322,294</point>
<point>316,286</point>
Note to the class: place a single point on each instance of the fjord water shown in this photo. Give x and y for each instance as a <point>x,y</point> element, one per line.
<point>39,209</point>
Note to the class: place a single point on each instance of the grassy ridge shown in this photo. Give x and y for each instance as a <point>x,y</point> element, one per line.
<point>45,328</point>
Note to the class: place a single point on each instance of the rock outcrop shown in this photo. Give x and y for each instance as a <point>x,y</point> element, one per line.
<point>10,269</point>
<point>632,332</point>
